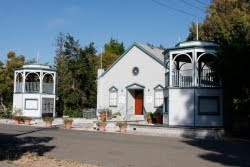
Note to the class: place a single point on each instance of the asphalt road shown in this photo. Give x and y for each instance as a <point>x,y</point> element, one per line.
<point>118,150</point>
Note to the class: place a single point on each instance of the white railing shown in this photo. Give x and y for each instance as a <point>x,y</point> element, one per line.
<point>207,78</point>
<point>48,88</point>
<point>128,114</point>
<point>32,87</point>
<point>182,78</point>
<point>19,87</point>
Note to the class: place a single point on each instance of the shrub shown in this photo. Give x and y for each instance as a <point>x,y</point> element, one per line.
<point>19,118</point>
<point>73,113</point>
<point>26,118</point>
<point>107,111</point>
<point>17,112</point>
<point>121,123</point>
<point>66,120</point>
<point>117,114</point>
<point>6,114</point>
<point>149,115</point>
<point>101,123</point>
<point>45,119</point>
<point>158,112</point>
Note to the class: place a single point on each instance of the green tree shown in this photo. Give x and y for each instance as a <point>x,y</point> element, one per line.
<point>112,50</point>
<point>114,46</point>
<point>7,78</point>
<point>228,23</point>
<point>77,71</point>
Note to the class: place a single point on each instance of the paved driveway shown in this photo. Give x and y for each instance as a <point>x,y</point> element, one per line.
<point>117,150</point>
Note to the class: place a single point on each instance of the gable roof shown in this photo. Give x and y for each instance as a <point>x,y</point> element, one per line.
<point>135,86</point>
<point>155,53</point>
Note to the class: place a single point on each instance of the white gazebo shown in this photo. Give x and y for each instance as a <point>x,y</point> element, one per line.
<point>35,90</point>
<point>193,95</point>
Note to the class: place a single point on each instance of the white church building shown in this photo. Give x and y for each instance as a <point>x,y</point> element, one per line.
<point>133,85</point>
<point>178,82</point>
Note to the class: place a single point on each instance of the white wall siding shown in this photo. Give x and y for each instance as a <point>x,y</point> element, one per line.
<point>184,107</point>
<point>20,99</point>
<point>181,107</point>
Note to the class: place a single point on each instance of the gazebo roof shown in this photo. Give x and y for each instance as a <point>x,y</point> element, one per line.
<point>36,66</point>
<point>193,44</point>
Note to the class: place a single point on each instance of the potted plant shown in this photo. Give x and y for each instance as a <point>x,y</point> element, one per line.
<point>101,125</point>
<point>27,120</point>
<point>48,121</point>
<point>158,116</point>
<point>68,123</point>
<point>105,113</point>
<point>122,125</point>
<point>149,117</point>
<point>17,115</point>
<point>116,114</point>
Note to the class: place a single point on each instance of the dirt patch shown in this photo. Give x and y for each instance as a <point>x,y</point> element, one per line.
<point>33,160</point>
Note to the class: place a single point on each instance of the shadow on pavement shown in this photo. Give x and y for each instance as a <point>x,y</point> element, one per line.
<point>230,153</point>
<point>12,147</point>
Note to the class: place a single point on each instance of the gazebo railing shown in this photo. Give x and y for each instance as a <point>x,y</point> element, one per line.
<point>19,87</point>
<point>32,87</point>
<point>208,78</point>
<point>182,78</point>
<point>204,78</point>
<point>48,88</point>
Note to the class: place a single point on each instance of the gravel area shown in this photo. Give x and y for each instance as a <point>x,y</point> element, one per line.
<point>33,160</point>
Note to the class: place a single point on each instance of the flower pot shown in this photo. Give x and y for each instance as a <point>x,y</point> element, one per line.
<point>68,125</point>
<point>17,121</point>
<point>48,123</point>
<point>149,121</point>
<point>159,119</point>
<point>27,122</point>
<point>102,128</point>
<point>103,117</point>
<point>123,129</point>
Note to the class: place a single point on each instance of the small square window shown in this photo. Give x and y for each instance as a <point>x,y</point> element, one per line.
<point>208,105</point>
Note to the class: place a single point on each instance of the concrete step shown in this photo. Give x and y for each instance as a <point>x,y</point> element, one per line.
<point>137,118</point>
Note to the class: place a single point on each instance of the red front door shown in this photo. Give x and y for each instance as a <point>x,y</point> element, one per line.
<point>138,102</point>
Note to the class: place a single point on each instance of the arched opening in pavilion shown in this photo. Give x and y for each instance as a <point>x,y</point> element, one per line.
<point>206,76</point>
<point>182,73</point>
<point>32,82</point>
<point>48,83</point>
<point>19,82</point>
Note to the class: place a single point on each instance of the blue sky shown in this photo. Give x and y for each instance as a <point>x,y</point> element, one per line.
<point>27,26</point>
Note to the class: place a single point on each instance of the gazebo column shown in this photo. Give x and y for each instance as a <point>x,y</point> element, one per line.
<point>24,79</point>
<point>15,82</point>
<point>194,68</point>
<point>41,82</point>
<point>54,83</point>
<point>170,69</point>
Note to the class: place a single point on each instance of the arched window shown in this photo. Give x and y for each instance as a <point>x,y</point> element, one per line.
<point>158,99</point>
<point>113,96</point>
